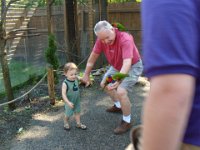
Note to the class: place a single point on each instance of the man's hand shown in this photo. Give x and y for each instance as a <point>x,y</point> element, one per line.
<point>86,80</point>
<point>112,86</point>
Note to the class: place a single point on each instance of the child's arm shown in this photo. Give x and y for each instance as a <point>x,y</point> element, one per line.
<point>64,96</point>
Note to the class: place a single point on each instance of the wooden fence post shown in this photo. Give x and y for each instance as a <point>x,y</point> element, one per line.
<point>50,79</point>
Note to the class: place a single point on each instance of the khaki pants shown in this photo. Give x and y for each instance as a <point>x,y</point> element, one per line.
<point>189,147</point>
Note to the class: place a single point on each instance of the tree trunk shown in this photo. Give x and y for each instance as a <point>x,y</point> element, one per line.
<point>70,29</point>
<point>49,17</point>
<point>91,23</point>
<point>101,10</point>
<point>101,14</point>
<point>5,68</point>
<point>51,86</point>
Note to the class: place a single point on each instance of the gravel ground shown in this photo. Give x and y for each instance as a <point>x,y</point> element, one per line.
<point>43,129</point>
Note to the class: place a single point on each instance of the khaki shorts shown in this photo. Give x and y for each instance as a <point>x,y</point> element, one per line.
<point>134,73</point>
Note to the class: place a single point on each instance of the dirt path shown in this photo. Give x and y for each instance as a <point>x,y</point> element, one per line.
<point>45,129</point>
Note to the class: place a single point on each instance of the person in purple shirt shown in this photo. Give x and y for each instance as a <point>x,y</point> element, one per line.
<point>171,54</point>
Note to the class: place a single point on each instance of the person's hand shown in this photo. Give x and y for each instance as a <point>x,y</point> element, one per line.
<point>85,80</point>
<point>112,86</point>
<point>71,105</point>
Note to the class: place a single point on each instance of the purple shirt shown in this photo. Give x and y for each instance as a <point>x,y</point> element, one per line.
<point>171,44</point>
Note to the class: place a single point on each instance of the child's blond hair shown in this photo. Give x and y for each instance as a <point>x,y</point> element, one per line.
<point>70,66</point>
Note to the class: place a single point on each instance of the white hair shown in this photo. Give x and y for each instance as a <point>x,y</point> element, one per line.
<point>102,25</point>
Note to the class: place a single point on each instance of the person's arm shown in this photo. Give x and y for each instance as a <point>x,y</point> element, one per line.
<point>64,96</point>
<point>126,65</point>
<point>90,63</point>
<point>166,111</point>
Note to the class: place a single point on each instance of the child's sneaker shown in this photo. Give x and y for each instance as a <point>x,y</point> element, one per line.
<point>81,126</point>
<point>66,126</point>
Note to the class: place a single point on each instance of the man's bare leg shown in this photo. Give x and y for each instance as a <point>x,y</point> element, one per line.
<point>121,94</point>
<point>124,101</point>
<point>125,124</point>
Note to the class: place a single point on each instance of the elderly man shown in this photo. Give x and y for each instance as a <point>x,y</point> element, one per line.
<point>123,56</point>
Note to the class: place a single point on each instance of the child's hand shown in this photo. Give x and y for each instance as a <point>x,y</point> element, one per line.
<point>71,105</point>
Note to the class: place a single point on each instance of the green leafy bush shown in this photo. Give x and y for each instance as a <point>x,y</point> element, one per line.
<point>51,56</point>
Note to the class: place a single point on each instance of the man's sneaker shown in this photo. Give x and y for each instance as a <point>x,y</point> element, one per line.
<point>114,109</point>
<point>123,127</point>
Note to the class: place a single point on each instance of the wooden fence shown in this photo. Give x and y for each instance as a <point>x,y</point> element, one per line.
<point>127,14</point>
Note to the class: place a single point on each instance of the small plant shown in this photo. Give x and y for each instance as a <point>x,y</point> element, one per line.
<point>51,56</point>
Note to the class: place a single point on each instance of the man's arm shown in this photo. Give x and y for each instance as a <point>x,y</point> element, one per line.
<point>166,111</point>
<point>90,63</point>
<point>126,65</point>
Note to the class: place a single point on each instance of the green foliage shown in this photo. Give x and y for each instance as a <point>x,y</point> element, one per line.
<point>109,1</point>
<point>82,1</point>
<point>42,3</point>
<point>51,57</point>
<point>26,3</point>
<point>29,3</point>
<point>50,52</point>
<point>119,1</point>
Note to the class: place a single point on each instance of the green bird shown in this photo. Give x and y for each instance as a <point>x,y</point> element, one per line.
<point>116,77</point>
<point>119,26</point>
<point>119,76</point>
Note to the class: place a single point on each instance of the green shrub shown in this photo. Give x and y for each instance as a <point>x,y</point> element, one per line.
<point>51,56</point>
